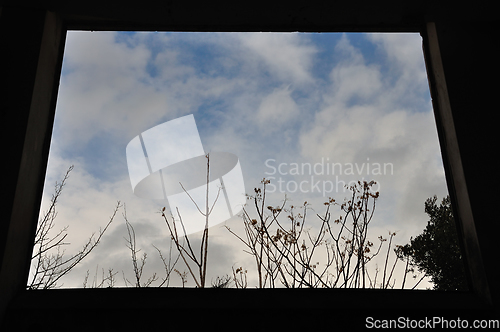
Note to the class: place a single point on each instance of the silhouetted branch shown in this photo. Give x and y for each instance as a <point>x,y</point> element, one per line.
<point>49,263</point>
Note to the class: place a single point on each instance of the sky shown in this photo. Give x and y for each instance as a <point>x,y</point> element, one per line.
<point>308,111</point>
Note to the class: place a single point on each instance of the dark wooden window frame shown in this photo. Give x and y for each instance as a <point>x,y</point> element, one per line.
<point>32,161</point>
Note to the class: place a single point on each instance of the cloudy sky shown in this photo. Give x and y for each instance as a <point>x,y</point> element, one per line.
<point>283,103</point>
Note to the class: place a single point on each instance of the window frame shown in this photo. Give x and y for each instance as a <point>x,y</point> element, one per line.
<point>32,167</point>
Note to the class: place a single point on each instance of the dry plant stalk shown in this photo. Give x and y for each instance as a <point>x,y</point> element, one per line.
<point>184,246</point>
<point>287,255</point>
<point>49,263</point>
<point>285,252</point>
<point>240,277</point>
<point>107,280</point>
<point>138,265</point>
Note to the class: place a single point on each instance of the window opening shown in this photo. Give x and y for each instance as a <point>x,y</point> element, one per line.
<point>310,113</point>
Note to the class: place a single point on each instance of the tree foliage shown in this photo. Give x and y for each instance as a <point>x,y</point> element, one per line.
<point>436,251</point>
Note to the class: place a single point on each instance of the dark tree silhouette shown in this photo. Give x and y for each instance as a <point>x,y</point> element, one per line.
<point>436,251</point>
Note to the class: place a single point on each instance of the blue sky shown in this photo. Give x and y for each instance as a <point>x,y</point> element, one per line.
<point>284,98</point>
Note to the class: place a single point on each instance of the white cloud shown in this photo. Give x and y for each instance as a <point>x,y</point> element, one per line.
<point>257,98</point>
<point>277,109</point>
<point>404,58</point>
<point>351,77</point>
<point>285,55</point>
<point>362,120</point>
<point>104,88</point>
<point>404,49</point>
<point>99,51</point>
